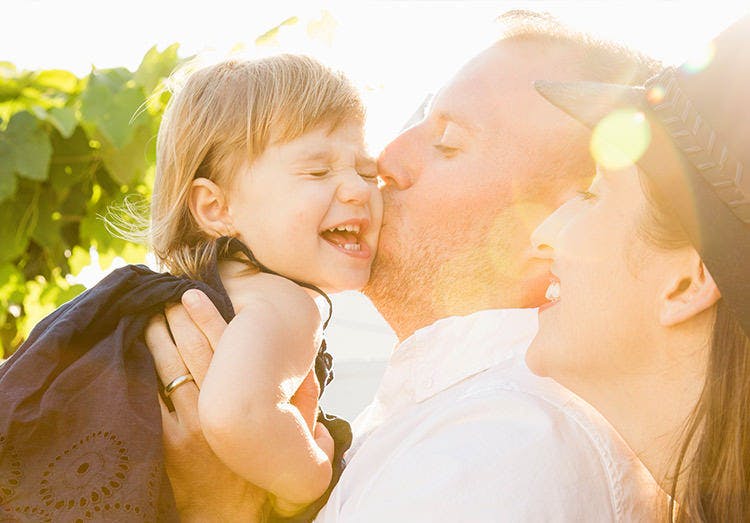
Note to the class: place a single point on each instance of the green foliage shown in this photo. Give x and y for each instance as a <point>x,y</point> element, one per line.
<point>69,149</point>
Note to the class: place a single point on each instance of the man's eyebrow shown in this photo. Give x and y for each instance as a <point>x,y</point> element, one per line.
<point>447,116</point>
<point>420,113</point>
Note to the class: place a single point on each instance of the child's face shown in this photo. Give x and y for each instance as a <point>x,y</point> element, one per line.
<point>285,205</point>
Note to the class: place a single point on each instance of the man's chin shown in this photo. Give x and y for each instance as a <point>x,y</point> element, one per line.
<point>386,278</point>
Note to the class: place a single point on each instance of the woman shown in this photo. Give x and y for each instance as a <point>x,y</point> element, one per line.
<point>656,257</point>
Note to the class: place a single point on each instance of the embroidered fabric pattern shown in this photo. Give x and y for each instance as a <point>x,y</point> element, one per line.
<point>80,424</point>
<point>87,481</point>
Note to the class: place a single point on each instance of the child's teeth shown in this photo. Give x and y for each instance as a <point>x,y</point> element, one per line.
<point>352,246</point>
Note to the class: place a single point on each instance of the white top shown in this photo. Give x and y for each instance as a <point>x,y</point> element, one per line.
<point>461,430</point>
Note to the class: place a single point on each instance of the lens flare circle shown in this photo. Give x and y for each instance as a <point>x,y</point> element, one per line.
<point>700,59</point>
<point>620,139</point>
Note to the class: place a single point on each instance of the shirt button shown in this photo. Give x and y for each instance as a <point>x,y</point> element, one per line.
<point>427,383</point>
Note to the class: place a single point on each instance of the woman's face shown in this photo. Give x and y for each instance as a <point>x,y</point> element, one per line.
<point>605,283</point>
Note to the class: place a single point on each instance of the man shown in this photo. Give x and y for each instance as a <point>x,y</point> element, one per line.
<point>459,429</point>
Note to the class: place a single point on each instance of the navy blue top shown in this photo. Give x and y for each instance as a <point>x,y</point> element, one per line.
<point>80,423</point>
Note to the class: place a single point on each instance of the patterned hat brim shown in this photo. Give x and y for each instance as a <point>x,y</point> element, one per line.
<point>690,167</point>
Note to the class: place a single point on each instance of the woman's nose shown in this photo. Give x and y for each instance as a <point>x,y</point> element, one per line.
<point>544,237</point>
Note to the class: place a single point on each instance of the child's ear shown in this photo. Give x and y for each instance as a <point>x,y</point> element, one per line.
<point>209,207</point>
<point>691,292</point>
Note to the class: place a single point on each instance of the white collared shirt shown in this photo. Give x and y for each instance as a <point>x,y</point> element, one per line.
<point>461,430</point>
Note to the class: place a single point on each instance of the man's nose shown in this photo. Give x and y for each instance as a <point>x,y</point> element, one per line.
<point>399,163</point>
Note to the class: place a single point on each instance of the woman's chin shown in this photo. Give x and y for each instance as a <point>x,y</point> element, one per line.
<point>535,359</point>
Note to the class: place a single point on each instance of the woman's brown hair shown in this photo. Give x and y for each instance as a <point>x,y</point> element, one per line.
<point>711,472</point>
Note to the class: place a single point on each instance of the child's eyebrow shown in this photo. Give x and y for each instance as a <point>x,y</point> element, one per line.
<point>365,160</point>
<point>315,156</point>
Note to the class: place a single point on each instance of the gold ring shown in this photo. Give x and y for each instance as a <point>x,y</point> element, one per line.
<point>179,380</point>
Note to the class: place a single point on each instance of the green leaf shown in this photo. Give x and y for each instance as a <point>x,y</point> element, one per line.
<point>11,283</point>
<point>72,160</point>
<point>128,163</point>
<point>93,231</point>
<point>113,106</point>
<point>270,37</point>
<point>133,253</point>
<point>43,297</point>
<point>47,230</point>
<point>57,79</point>
<point>79,258</point>
<point>156,66</point>
<point>64,119</point>
<point>9,89</point>
<point>8,182</point>
<point>25,148</point>
<point>16,218</point>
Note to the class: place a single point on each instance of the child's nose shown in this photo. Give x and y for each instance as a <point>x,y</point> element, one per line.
<point>354,189</point>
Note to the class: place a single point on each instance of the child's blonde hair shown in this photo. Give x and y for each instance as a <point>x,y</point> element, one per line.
<point>223,119</point>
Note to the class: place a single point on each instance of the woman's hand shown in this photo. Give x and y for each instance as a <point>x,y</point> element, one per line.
<point>204,488</point>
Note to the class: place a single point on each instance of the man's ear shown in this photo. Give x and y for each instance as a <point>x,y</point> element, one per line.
<point>690,293</point>
<point>209,207</point>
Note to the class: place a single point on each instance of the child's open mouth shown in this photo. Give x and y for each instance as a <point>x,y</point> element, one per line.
<point>346,237</point>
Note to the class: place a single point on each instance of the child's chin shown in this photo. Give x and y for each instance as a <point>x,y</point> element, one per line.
<point>352,283</point>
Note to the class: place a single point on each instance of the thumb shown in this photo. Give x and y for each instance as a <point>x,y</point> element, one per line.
<point>205,315</point>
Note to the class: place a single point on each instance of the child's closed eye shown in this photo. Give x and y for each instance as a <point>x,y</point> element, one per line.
<point>317,172</point>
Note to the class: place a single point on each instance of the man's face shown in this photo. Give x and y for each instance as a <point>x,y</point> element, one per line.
<point>465,187</point>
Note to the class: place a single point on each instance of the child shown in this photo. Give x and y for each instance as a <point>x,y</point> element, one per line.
<point>259,164</point>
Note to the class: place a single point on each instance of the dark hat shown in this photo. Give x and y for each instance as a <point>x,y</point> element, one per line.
<point>698,155</point>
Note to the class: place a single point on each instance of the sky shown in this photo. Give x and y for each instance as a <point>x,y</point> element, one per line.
<point>396,52</point>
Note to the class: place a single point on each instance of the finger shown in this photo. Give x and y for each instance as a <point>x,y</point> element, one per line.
<point>170,366</point>
<point>168,419</point>
<point>205,315</point>
<point>185,401</point>
<point>192,345</point>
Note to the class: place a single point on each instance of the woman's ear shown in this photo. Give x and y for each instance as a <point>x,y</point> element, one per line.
<point>690,293</point>
<point>209,208</point>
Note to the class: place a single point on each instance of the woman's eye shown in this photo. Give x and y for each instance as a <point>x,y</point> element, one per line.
<point>586,195</point>
<point>368,177</point>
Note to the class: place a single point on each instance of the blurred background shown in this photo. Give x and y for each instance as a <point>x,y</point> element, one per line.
<point>82,91</point>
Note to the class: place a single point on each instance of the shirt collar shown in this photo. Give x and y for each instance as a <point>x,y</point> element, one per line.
<point>451,350</point>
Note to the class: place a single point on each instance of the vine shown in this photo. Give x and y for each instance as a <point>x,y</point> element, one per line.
<point>70,148</point>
